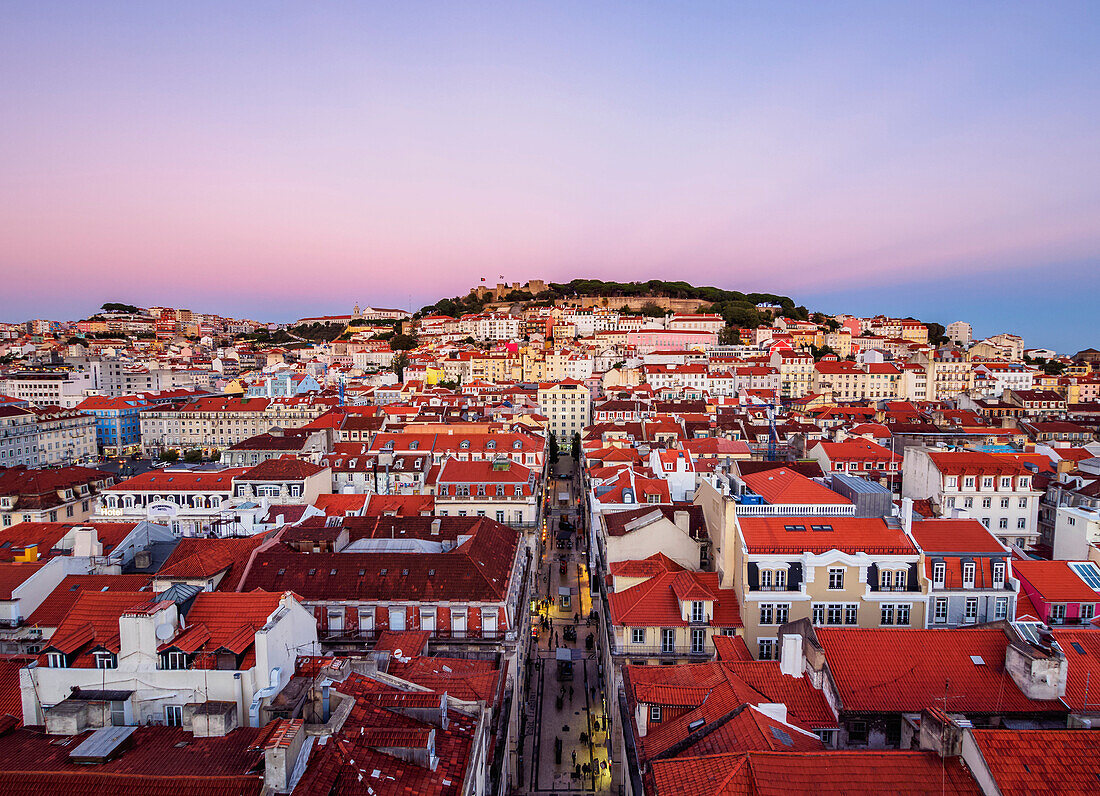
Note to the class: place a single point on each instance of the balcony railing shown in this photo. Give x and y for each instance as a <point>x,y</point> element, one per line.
<point>657,650</point>
<point>793,510</point>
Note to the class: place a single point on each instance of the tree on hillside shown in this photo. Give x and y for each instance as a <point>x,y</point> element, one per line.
<point>402,342</point>
<point>651,310</point>
<point>398,365</point>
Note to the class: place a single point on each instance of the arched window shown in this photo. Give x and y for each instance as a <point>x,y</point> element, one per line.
<point>112,501</point>
<point>464,444</point>
<point>128,501</point>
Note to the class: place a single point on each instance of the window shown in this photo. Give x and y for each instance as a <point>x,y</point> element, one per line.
<point>987,503</point>
<point>1023,503</point>
<point>1021,523</point>
<point>939,573</point>
<point>851,614</point>
<point>834,614</point>
<point>968,503</point>
<point>887,615</point>
<point>987,482</point>
<point>175,660</point>
<point>857,732</point>
<point>901,615</point>
<point>366,620</point>
<point>654,712</point>
<point>766,579</point>
<point>818,615</point>
<point>970,612</point>
<point>968,482</point>
<point>55,660</point>
<point>968,575</point>
<point>1006,483</point>
<point>766,647</point>
<point>668,640</point>
<point>780,579</point>
<point>1000,608</point>
<point>836,578</point>
<point>1057,614</point>
<point>998,575</point>
<point>105,660</point>
<point>1004,503</point>
<point>939,613</point>
<point>637,635</point>
<point>1002,522</point>
<point>397,619</point>
<point>173,715</point>
<point>782,613</point>
<point>698,640</point>
<point>767,613</point>
<point>336,620</point>
<point>427,619</point>
<point>697,613</point>
<point>1088,610</point>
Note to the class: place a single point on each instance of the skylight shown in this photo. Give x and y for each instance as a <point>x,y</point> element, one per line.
<point>1088,572</point>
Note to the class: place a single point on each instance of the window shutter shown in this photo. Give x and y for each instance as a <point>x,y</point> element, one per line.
<point>872,577</point>
<point>754,576</point>
<point>794,576</point>
<point>913,582</point>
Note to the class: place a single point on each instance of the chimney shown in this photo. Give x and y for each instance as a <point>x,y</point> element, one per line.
<point>143,559</point>
<point>86,543</point>
<point>436,525</point>
<point>281,754</point>
<point>790,655</point>
<point>682,519</point>
<point>907,516</point>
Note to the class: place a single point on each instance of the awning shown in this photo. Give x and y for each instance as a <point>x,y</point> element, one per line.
<point>564,591</point>
<point>564,654</point>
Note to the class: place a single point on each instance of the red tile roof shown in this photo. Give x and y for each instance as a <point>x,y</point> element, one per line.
<point>282,469</point>
<point>848,534</point>
<point>197,558</point>
<point>54,608</point>
<point>478,569</point>
<point>955,536</point>
<point>974,463</point>
<point>834,772</point>
<point>159,762</point>
<point>1054,581</point>
<point>1042,761</point>
<point>656,602</point>
<point>1081,647</point>
<point>169,480</point>
<point>13,575</point>
<point>11,696</point>
<point>787,486</point>
<point>899,670</point>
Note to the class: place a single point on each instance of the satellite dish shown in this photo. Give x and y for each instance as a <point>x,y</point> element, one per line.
<point>165,631</point>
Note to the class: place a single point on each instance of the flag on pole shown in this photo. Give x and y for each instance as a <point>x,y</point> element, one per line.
<point>482,279</point>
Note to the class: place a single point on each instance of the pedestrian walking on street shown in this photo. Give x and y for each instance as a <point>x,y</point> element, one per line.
<point>576,619</point>
<point>574,757</point>
<point>570,694</point>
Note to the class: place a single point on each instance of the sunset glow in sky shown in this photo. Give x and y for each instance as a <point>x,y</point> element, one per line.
<point>275,160</point>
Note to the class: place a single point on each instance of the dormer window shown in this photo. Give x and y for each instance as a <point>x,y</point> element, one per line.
<point>968,575</point>
<point>968,482</point>
<point>55,660</point>
<point>998,575</point>
<point>939,574</point>
<point>698,613</point>
<point>464,444</point>
<point>105,660</point>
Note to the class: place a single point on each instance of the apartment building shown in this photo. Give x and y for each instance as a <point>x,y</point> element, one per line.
<point>500,489</point>
<point>65,436</point>
<point>48,388</point>
<point>65,494</point>
<point>212,423</point>
<point>832,571</point>
<point>996,490</point>
<point>662,613</point>
<point>796,372</point>
<point>568,406</point>
<point>969,573</point>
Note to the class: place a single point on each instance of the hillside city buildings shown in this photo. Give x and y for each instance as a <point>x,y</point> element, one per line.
<point>532,541</point>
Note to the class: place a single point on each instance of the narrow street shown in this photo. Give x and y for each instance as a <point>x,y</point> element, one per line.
<point>564,749</point>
